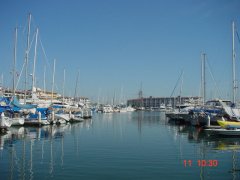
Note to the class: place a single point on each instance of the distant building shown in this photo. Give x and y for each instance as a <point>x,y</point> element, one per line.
<point>155,102</point>
<point>40,93</point>
<point>44,95</point>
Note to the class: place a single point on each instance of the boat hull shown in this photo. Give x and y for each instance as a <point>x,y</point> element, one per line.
<point>225,132</point>
<point>35,122</point>
<point>17,121</point>
<point>5,122</point>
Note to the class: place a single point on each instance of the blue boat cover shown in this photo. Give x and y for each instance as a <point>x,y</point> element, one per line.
<point>4,101</point>
<point>16,103</point>
<point>57,106</point>
<point>2,109</point>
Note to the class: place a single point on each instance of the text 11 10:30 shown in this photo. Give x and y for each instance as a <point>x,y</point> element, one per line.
<point>201,163</point>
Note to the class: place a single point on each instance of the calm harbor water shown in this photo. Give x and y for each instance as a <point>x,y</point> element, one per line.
<point>137,145</point>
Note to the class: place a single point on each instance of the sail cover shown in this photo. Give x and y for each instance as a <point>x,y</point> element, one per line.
<point>16,103</point>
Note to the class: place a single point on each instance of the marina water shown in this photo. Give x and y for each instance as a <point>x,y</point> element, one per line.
<point>134,145</point>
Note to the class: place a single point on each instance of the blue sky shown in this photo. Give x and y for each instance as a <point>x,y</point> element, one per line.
<point>117,44</point>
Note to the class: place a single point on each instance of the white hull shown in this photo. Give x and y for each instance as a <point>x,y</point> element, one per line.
<point>178,115</point>
<point>227,132</point>
<point>77,119</point>
<point>17,121</point>
<point>123,110</point>
<point>36,122</point>
<point>5,122</point>
<point>65,117</point>
<point>130,109</point>
<point>58,121</point>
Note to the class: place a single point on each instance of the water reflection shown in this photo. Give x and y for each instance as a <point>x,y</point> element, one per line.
<point>148,118</point>
<point>198,135</point>
<point>111,141</point>
<point>224,146</point>
<point>28,151</point>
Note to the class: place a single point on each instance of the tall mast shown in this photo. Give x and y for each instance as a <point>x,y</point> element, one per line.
<point>114,96</point>
<point>63,84</point>
<point>140,96</point>
<point>99,92</point>
<point>75,93</point>
<point>180,93</point>
<point>234,61</point>
<point>14,61</point>
<point>121,94</point>
<point>34,62</point>
<point>2,80</point>
<point>203,80</point>
<point>26,57</point>
<point>44,81</point>
<point>53,78</point>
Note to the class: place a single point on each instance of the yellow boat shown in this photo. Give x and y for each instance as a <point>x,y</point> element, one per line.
<point>226,124</point>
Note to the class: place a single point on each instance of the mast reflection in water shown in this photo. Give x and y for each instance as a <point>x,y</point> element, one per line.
<point>136,145</point>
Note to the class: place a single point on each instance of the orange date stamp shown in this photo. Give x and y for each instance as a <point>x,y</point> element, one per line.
<point>201,163</point>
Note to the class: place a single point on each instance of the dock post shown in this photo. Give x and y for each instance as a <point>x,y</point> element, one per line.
<point>39,118</point>
<point>53,116</point>
<point>208,122</point>
<point>2,120</point>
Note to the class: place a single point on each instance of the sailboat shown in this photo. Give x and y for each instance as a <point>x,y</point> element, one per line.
<point>182,109</point>
<point>233,113</point>
<point>11,115</point>
<point>230,126</point>
<point>15,116</point>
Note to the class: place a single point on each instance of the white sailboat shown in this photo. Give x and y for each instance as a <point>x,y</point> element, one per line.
<point>162,107</point>
<point>130,109</point>
<point>15,117</point>
<point>11,116</point>
<point>5,122</point>
<point>230,128</point>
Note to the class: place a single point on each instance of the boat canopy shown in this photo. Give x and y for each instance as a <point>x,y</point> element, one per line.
<point>217,111</point>
<point>43,110</point>
<point>16,103</point>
